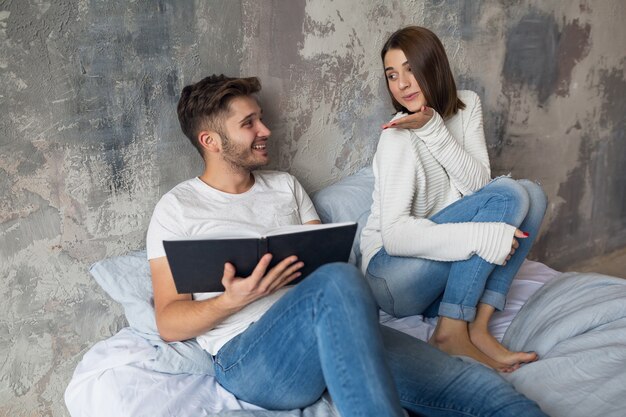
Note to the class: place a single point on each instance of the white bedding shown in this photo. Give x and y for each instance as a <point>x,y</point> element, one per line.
<point>114,376</point>
<point>577,324</point>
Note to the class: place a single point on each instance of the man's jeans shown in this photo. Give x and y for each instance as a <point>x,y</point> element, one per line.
<point>405,286</point>
<point>324,334</point>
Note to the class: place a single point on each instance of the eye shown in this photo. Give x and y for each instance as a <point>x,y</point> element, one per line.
<point>392,76</point>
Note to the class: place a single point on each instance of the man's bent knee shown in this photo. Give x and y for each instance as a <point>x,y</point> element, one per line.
<point>342,280</point>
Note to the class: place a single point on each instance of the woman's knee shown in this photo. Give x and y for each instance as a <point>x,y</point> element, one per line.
<point>537,196</point>
<point>514,193</point>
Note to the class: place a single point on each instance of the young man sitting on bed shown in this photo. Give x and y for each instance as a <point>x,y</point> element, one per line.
<point>277,346</point>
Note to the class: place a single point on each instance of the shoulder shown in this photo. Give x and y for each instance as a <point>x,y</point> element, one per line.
<point>276,176</point>
<point>185,189</point>
<point>177,196</point>
<point>275,179</point>
<point>470,98</point>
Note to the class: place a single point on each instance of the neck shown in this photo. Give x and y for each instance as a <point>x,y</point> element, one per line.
<point>229,179</point>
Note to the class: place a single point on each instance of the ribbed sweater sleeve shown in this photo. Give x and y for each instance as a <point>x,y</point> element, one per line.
<point>466,163</point>
<point>395,166</point>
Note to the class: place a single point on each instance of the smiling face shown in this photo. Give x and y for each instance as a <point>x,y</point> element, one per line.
<point>401,81</point>
<point>244,137</point>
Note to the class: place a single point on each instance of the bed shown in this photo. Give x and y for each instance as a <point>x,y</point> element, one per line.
<point>576,323</point>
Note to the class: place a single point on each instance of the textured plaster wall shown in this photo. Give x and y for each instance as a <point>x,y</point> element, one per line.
<point>89,138</point>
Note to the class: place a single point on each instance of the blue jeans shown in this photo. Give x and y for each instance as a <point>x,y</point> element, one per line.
<point>324,334</point>
<point>405,286</point>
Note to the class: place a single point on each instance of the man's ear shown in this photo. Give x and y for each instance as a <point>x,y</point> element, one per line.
<point>209,140</point>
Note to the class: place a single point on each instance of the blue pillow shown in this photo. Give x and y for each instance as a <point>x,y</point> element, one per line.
<point>126,279</point>
<point>349,199</point>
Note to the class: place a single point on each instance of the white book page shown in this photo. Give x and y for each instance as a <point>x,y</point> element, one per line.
<point>231,234</point>
<point>285,230</point>
<point>247,234</point>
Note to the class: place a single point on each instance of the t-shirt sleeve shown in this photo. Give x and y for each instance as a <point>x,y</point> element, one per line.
<point>305,205</point>
<point>164,225</point>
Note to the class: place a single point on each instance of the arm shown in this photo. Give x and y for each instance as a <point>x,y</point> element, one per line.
<point>179,317</point>
<point>466,163</point>
<point>405,235</point>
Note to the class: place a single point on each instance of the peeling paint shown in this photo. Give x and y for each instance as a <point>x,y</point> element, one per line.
<point>574,44</point>
<point>531,55</point>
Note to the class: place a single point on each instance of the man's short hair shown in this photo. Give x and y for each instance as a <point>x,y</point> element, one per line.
<point>205,104</point>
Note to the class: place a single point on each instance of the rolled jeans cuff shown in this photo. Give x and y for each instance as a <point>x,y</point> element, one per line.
<point>457,311</point>
<point>494,299</point>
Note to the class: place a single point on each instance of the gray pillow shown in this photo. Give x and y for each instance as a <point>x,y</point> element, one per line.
<point>349,199</point>
<point>126,279</point>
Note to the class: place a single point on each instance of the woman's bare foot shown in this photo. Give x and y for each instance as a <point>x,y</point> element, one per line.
<point>490,346</point>
<point>452,336</point>
<point>481,338</point>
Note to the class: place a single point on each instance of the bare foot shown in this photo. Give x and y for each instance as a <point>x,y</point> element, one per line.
<point>452,336</point>
<point>490,346</point>
<point>481,338</point>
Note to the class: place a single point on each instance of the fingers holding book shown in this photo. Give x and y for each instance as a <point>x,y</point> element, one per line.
<point>242,291</point>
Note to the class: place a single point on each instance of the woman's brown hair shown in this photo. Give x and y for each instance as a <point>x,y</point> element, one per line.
<point>429,64</point>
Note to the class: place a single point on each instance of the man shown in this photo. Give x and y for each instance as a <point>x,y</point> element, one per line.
<point>280,347</point>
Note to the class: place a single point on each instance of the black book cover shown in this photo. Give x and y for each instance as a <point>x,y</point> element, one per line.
<point>198,265</point>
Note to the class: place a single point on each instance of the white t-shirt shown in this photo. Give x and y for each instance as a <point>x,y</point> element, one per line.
<point>194,208</point>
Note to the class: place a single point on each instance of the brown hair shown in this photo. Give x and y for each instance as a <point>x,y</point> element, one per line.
<point>429,64</point>
<point>204,105</point>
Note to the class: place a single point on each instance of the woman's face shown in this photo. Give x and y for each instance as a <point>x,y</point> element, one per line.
<point>401,81</point>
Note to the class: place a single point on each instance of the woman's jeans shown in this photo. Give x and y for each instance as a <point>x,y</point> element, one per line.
<point>405,286</point>
<point>324,334</point>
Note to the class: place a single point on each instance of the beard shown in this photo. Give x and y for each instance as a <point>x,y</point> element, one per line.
<point>240,157</point>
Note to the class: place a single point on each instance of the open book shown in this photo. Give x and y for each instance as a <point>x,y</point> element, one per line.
<point>197,264</point>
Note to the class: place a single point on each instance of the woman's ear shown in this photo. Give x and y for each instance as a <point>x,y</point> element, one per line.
<point>209,140</point>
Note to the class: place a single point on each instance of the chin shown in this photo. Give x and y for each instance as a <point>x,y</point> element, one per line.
<point>414,107</point>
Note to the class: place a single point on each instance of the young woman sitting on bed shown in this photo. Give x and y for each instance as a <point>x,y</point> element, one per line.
<point>443,238</point>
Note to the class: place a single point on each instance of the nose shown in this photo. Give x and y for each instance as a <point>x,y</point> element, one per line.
<point>404,81</point>
<point>263,130</point>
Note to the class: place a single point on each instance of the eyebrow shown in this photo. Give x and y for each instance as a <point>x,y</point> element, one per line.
<point>403,64</point>
<point>250,116</point>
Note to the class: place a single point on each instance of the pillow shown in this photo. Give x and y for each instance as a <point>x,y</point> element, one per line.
<point>349,199</point>
<point>126,279</point>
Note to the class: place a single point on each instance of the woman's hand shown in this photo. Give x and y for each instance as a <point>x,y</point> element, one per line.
<point>240,292</point>
<point>518,235</point>
<point>412,121</point>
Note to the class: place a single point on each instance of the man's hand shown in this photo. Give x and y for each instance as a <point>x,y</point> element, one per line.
<point>412,121</point>
<point>239,292</point>
<point>515,244</point>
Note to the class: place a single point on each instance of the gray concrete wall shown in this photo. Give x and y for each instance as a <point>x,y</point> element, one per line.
<point>89,139</point>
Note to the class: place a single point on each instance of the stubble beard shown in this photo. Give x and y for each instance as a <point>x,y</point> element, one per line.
<point>238,157</point>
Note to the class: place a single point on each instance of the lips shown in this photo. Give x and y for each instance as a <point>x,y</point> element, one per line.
<point>411,96</point>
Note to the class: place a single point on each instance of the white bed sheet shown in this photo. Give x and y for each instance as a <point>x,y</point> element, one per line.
<point>112,380</point>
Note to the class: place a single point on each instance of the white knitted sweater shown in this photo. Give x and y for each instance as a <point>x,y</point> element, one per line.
<point>417,173</point>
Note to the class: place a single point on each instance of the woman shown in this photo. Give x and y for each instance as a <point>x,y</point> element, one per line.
<point>442,237</point>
